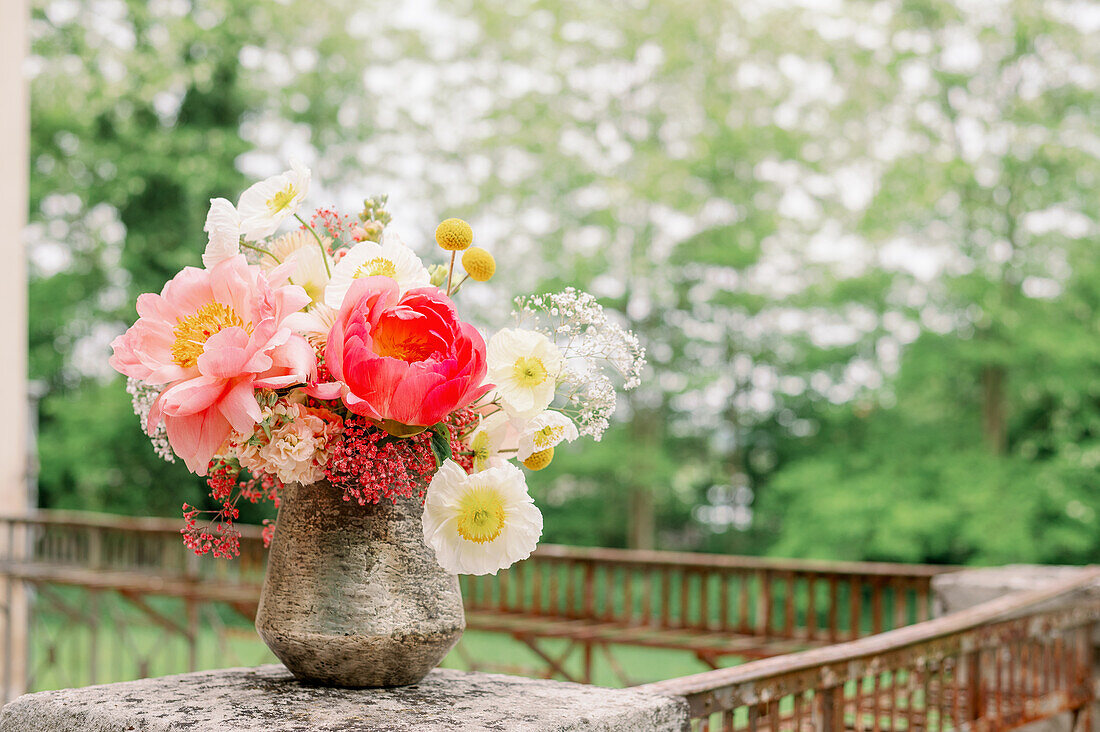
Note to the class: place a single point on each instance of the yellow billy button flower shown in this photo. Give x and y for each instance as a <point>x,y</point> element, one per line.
<point>479,264</point>
<point>480,523</point>
<point>539,460</point>
<point>454,235</point>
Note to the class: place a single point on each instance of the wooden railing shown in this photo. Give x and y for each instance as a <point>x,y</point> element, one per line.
<point>566,605</point>
<point>1014,660</point>
<point>769,598</point>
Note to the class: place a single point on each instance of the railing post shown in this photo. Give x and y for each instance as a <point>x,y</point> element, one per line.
<point>832,709</point>
<point>1082,717</point>
<point>975,701</point>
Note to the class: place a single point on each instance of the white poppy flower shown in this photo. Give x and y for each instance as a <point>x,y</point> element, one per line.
<point>313,324</point>
<point>265,205</point>
<point>223,227</point>
<point>524,365</point>
<point>391,258</point>
<point>492,435</point>
<point>309,270</point>
<point>480,523</point>
<point>545,430</point>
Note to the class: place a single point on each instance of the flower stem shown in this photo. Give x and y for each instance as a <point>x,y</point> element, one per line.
<point>246,245</point>
<point>450,273</point>
<point>459,284</point>
<point>324,254</point>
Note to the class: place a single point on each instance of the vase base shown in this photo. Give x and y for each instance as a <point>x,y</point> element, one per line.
<point>359,663</point>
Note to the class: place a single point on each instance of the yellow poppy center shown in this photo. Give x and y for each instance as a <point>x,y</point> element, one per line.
<point>548,436</point>
<point>480,447</point>
<point>480,515</point>
<point>529,372</point>
<point>193,332</point>
<point>375,267</point>
<point>281,200</point>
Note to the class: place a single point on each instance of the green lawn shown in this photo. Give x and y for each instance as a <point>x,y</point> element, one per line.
<point>128,644</point>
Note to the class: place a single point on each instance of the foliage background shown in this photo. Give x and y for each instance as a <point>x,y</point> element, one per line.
<point>858,239</point>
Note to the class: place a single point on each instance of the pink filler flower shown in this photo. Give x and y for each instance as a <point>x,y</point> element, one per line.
<point>213,337</point>
<point>402,361</point>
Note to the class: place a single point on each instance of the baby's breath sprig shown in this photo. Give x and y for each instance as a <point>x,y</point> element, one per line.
<point>591,345</point>
<point>142,397</point>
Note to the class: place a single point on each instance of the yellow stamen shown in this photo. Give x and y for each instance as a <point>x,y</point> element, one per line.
<point>193,332</point>
<point>480,448</point>
<point>548,436</point>
<point>377,266</point>
<point>480,515</point>
<point>529,372</point>
<point>281,200</point>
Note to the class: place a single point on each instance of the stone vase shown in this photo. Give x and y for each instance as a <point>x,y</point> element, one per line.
<point>352,596</point>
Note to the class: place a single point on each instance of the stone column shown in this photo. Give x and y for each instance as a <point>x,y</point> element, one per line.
<point>14,134</point>
<point>268,699</point>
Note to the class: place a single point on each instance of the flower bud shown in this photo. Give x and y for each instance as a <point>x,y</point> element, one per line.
<point>438,274</point>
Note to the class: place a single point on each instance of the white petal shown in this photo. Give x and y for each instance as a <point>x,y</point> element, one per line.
<point>409,271</point>
<point>258,220</point>
<point>223,227</point>
<point>530,441</point>
<point>343,274</point>
<point>518,537</point>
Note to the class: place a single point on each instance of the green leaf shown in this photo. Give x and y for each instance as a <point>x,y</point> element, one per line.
<point>441,443</point>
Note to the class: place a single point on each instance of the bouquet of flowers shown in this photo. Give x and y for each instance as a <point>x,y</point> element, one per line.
<point>325,349</point>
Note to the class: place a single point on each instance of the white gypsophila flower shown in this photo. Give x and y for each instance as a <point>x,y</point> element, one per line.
<point>543,431</point>
<point>142,397</point>
<point>223,228</point>
<point>492,435</point>
<point>309,271</point>
<point>593,348</point>
<point>313,324</point>
<point>480,523</point>
<point>590,396</point>
<point>392,258</point>
<point>265,205</point>
<point>524,365</point>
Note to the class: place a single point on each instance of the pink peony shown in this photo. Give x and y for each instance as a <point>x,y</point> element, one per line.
<point>402,360</point>
<point>212,337</point>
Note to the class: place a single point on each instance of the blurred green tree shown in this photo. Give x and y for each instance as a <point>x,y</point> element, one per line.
<point>857,241</point>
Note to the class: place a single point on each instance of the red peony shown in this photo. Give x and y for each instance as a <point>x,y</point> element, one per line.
<point>402,361</point>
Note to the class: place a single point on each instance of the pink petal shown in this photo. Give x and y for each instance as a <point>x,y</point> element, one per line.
<point>240,408</point>
<point>191,396</point>
<point>225,353</point>
<point>197,437</point>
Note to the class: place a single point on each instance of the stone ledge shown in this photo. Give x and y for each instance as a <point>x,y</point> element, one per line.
<point>268,699</point>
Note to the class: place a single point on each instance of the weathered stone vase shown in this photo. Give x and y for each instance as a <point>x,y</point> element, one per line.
<point>352,596</point>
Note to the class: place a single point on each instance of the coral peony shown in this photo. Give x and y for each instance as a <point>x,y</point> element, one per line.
<point>402,360</point>
<point>211,338</point>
